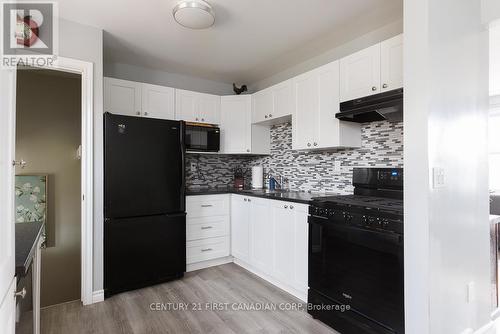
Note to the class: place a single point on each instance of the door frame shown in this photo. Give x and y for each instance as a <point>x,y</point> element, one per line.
<point>85,69</point>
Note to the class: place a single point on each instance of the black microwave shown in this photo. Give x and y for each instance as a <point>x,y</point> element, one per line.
<point>202,137</point>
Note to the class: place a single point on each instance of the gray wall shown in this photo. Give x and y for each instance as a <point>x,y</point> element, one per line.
<point>83,42</point>
<point>162,78</point>
<point>356,44</point>
<point>48,133</point>
<point>381,145</point>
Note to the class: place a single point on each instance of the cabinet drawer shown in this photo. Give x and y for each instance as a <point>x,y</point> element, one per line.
<point>207,249</point>
<point>207,206</point>
<point>207,227</point>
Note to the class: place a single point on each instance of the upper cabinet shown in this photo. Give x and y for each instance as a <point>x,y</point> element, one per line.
<point>122,97</point>
<point>238,134</point>
<point>197,107</point>
<point>158,101</point>
<point>315,102</point>
<point>138,99</point>
<point>272,105</point>
<point>373,70</point>
<point>391,63</point>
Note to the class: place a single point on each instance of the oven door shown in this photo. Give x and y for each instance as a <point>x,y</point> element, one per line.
<point>358,267</point>
<point>202,138</point>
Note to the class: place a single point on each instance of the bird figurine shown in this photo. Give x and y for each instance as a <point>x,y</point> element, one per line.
<point>240,90</point>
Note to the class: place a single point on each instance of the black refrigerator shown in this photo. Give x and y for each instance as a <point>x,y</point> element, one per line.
<point>144,202</point>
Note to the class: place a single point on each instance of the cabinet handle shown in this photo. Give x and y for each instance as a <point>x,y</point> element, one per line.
<point>21,293</point>
<point>291,206</point>
<point>308,144</point>
<point>245,199</point>
<point>270,115</point>
<point>138,113</point>
<point>248,150</point>
<point>146,113</point>
<point>206,205</point>
<point>197,118</point>
<point>265,116</point>
<point>384,86</point>
<point>374,88</point>
<point>286,206</point>
<point>315,144</point>
<point>206,227</point>
<point>203,120</point>
<point>206,249</point>
<point>249,200</point>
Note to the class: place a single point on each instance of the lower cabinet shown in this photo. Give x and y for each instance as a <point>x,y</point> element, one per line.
<point>270,239</point>
<point>207,230</point>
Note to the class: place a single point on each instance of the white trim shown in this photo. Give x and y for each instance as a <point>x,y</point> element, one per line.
<point>85,69</point>
<point>208,263</point>
<point>98,296</point>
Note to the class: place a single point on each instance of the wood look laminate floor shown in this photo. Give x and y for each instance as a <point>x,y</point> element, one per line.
<point>130,312</point>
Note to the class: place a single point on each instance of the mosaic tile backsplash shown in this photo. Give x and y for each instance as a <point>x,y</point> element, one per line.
<point>381,146</point>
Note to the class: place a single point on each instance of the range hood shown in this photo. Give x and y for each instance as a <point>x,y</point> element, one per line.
<point>378,107</point>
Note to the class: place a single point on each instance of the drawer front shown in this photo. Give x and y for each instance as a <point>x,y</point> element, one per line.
<point>207,249</point>
<point>207,227</point>
<point>207,205</point>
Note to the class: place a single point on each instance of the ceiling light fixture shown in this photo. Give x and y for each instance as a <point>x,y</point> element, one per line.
<point>194,14</point>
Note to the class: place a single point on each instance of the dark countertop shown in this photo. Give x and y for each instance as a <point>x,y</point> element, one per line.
<point>27,236</point>
<point>288,196</point>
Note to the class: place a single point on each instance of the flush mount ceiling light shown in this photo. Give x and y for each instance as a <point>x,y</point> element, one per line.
<point>194,14</point>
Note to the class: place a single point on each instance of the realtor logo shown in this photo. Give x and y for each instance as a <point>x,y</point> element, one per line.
<point>29,33</point>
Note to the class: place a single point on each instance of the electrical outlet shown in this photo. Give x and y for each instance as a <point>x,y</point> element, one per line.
<point>336,166</point>
<point>193,167</point>
<point>438,177</point>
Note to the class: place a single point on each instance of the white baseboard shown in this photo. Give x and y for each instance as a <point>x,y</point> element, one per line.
<point>97,296</point>
<point>302,295</point>
<point>208,263</point>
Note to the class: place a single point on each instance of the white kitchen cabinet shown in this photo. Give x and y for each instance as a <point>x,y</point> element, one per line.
<point>301,247</point>
<point>238,134</point>
<point>272,105</point>
<point>284,240</point>
<point>122,97</point>
<point>158,101</point>
<point>391,75</point>
<point>132,98</point>
<point>373,70</point>
<point>360,74</point>
<point>197,107</point>
<point>262,234</point>
<point>207,230</point>
<point>240,227</point>
<point>236,124</point>
<point>315,103</point>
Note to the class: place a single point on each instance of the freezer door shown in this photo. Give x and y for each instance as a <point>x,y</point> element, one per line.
<point>143,251</point>
<point>144,166</point>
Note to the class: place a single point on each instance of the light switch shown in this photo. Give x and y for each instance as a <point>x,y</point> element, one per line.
<point>438,177</point>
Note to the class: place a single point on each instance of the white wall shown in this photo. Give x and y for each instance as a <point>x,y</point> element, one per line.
<point>356,44</point>
<point>157,77</point>
<point>491,10</point>
<point>446,229</point>
<point>85,43</point>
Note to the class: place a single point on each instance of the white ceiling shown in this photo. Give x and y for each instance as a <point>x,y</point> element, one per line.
<point>247,35</point>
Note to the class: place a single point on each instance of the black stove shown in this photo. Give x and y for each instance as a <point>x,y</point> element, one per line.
<point>356,254</point>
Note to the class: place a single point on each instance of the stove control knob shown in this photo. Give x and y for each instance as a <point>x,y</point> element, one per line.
<point>379,222</point>
<point>370,221</point>
<point>331,212</point>
<point>364,220</point>
<point>385,223</point>
<point>347,217</point>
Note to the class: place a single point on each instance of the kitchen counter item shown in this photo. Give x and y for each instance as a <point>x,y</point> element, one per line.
<point>257,177</point>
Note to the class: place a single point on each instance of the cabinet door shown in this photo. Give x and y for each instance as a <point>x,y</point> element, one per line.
<point>158,101</point>
<point>282,96</point>
<point>236,127</point>
<point>360,74</point>
<point>240,228</point>
<point>391,63</point>
<point>284,239</point>
<point>186,106</point>
<point>262,105</point>
<point>328,131</point>
<point>301,247</point>
<point>262,247</point>
<point>305,115</point>
<point>122,97</point>
<point>208,107</point>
